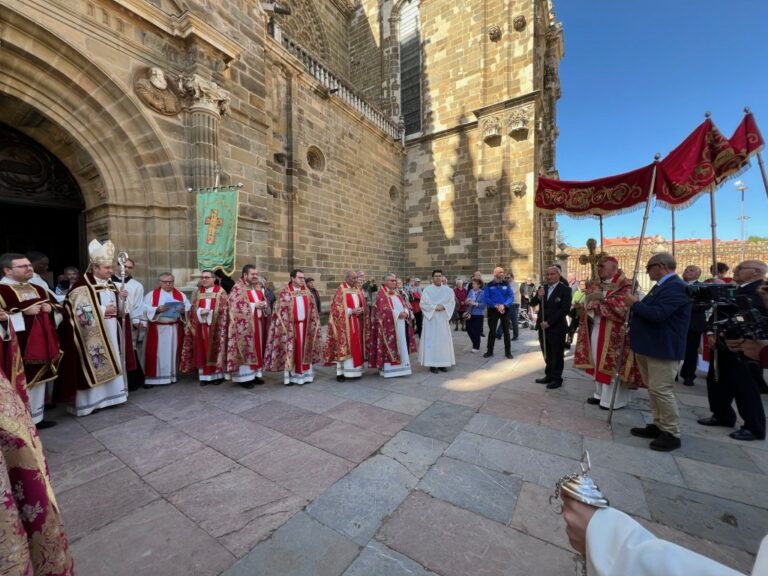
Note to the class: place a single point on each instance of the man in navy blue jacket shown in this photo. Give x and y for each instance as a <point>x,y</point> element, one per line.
<point>658,332</point>
<point>498,296</point>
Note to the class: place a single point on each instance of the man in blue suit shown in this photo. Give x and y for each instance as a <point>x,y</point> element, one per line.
<point>658,332</point>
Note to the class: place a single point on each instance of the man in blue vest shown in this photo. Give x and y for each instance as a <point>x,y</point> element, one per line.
<point>658,332</point>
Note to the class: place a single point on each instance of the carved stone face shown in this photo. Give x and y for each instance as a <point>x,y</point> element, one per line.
<point>157,78</point>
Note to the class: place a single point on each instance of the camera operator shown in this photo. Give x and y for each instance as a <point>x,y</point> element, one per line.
<point>738,377</point>
<point>696,328</point>
<point>754,349</point>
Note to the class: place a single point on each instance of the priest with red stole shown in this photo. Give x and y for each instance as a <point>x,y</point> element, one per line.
<point>30,311</point>
<point>392,339</point>
<point>248,326</point>
<point>205,338</point>
<point>92,373</point>
<point>601,318</point>
<point>347,341</point>
<point>165,309</point>
<point>295,342</point>
<point>32,537</point>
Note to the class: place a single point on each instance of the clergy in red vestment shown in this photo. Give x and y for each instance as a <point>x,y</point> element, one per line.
<point>32,539</point>
<point>392,339</point>
<point>165,310</point>
<point>205,337</point>
<point>294,343</point>
<point>11,363</point>
<point>248,327</point>
<point>30,310</point>
<point>92,373</point>
<point>347,340</point>
<point>601,318</point>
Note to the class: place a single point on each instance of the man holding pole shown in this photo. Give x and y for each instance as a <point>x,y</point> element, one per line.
<point>658,332</point>
<point>554,302</point>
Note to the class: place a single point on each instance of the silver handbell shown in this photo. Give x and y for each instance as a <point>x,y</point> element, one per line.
<point>581,487</point>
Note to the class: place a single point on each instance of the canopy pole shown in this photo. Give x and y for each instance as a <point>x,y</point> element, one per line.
<point>616,379</point>
<point>761,164</point>
<point>600,216</point>
<point>673,231</point>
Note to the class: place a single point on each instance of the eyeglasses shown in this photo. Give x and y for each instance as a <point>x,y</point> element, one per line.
<point>648,268</point>
<point>22,266</point>
<point>166,281</point>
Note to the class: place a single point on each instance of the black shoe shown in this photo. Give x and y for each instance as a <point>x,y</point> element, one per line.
<point>740,434</point>
<point>443,369</point>
<point>544,380</point>
<point>688,382</point>
<point>50,406</point>
<point>593,401</point>
<point>248,385</point>
<point>341,378</point>
<point>433,370</point>
<point>508,356</point>
<point>258,381</point>
<point>514,338</point>
<point>650,431</point>
<point>712,421</point>
<point>665,442</point>
<point>567,346</point>
<point>147,386</point>
<point>553,385</point>
<point>204,382</point>
<point>487,354</point>
<point>499,337</point>
<point>482,334</point>
<point>218,382</point>
<point>43,424</point>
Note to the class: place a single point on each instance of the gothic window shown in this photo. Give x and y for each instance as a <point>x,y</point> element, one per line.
<point>410,66</point>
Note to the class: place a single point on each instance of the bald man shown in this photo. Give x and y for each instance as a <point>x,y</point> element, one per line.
<point>498,296</point>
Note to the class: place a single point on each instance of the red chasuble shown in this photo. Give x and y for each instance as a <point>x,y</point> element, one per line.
<point>205,345</point>
<point>348,335</point>
<point>247,329</point>
<point>293,345</point>
<point>383,348</point>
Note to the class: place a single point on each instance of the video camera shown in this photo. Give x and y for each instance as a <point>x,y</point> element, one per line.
<point>700,292</point>
<point>748,323</point>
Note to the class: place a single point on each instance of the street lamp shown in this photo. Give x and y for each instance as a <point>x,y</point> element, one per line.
<point>741,187</point>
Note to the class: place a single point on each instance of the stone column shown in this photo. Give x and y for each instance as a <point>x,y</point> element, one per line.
<point>208,102</point>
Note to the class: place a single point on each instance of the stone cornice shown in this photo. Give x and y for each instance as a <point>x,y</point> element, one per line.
<point>506,104</point>
<point>185,26</point>
<point>346,7</point>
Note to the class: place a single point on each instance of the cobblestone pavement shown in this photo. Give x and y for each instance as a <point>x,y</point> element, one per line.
<point>444,474</point>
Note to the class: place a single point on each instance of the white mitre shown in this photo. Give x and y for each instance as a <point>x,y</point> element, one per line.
<point>100,253</point>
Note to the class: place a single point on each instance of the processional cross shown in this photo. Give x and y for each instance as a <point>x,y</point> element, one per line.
<point>213,221</point>
<point>593,258</point>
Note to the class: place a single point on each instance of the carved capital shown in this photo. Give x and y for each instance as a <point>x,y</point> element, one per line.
<point>491,128</point>
<point>517,123</point>
<point>205,94</point>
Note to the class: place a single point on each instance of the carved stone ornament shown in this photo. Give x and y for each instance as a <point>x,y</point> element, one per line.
<point>519,23</point>
<point>154,90</point>
<point>517,124</point>
<point>205,94</point>
<point>491,128</point>
<point>494,32</point>
<point>491,191</point>
<point>518,189</point>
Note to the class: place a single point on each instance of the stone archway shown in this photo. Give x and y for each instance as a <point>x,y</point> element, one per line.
<point>131,183</point>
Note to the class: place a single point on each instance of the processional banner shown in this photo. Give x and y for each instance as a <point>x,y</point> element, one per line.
<point>217,228</point>
<point>620,193</point>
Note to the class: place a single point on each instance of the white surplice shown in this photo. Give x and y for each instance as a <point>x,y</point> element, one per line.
<point>112,392</point>
<point>404,368</point>
<point>167,339</point>
<point>619,546</point>
<point>436,344</point>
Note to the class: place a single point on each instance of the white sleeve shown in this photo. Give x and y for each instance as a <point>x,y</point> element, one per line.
<point>617,545</point>
<point>426,305</point>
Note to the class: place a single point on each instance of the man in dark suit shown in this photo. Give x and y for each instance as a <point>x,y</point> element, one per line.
<point>554,300</point>
<point>739,378</point>
<point>696,328</point>
<point>658,331</point>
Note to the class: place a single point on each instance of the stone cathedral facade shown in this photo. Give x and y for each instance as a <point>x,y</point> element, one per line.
<point>389,135</point>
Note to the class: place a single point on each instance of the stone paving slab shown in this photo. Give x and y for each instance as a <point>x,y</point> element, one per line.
<point>297,466</point>
<point>403,404</point>
<point>530,465</point>
<point>625,491</point>
<point>67,440</point>
<point>454,542</point>
<point>238,507</point>
<point>642,462</point>
<point>538,437</point>
<point>372,418</point>
<point>709,517</point>
<point>535,515</point>
<point>378,560</point>
<point>357,504</point>
<point>759,457</point>
<point>302,547</point>
<point>733,484</point>
<point>346,440</point>
<point>73,472</point>
<point>357,391</point>
<point>305,397</point>
<point>417,453</point>
<point>235,399</point>
<point>442,421</point>
<point>147,444</point>
<point>287,418</point>
<point>155,539</point>
<point>196,467</point>
<point>107,418</point>
<point>474,488</point>
<point>103,500</point>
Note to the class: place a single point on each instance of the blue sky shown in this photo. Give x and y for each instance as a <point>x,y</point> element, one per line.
<point>636,79</point>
